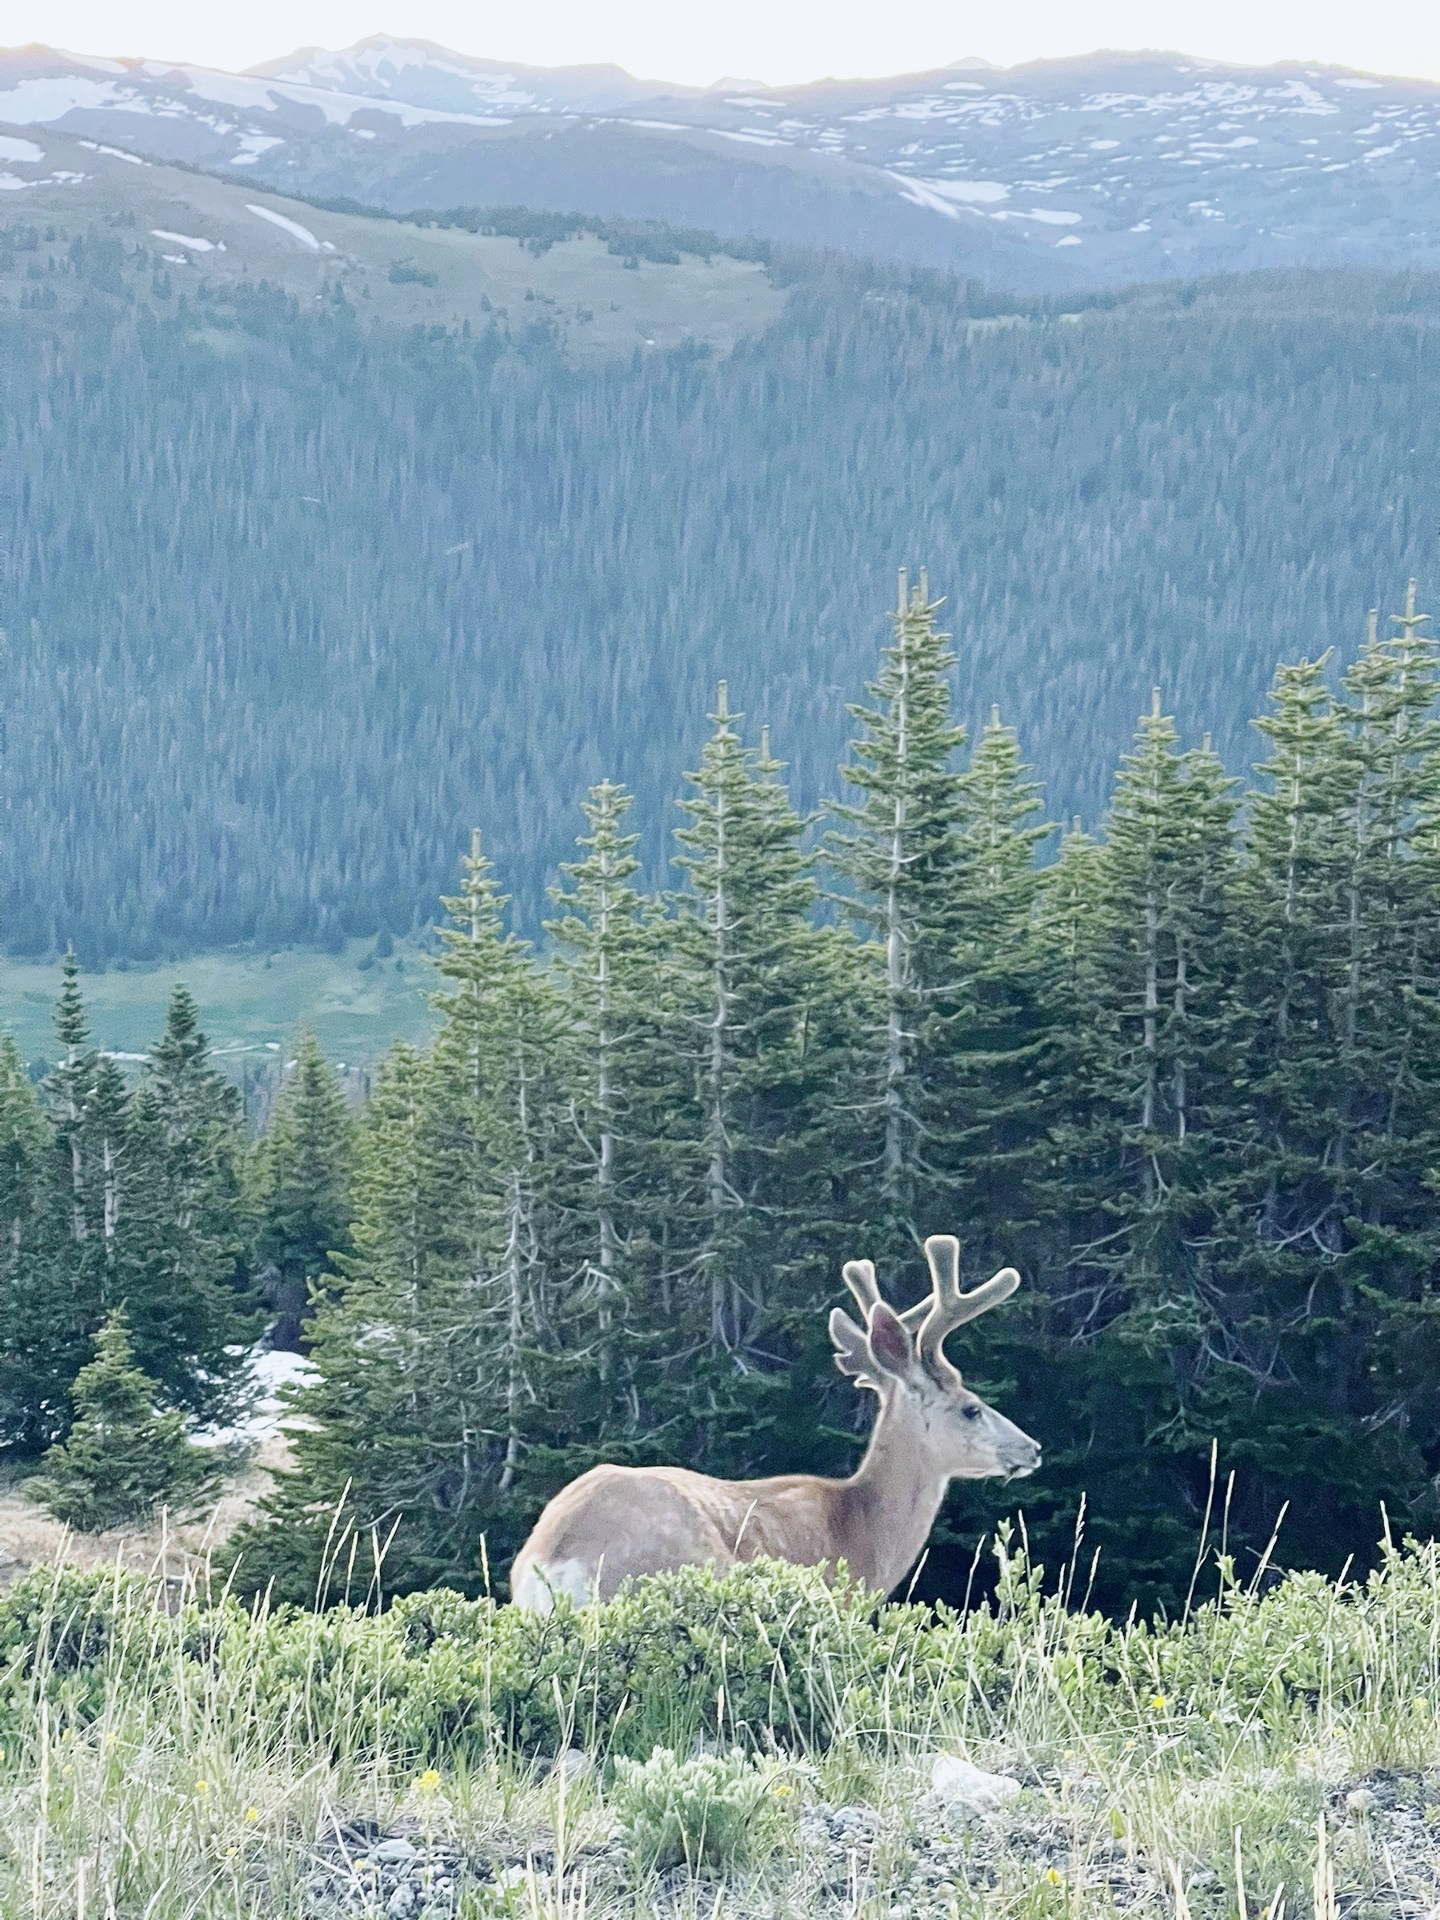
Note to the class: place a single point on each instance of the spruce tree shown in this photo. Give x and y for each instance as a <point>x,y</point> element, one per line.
<point>1143,1150</point>
<point>903,857</point>
<point>123,1457</point>
<point>611,1178</point>
<point>993,1048</point>
<point>1340,1017</point>
<point>301,1177</point>
<point>178,1224</point>
<point>760,1033</point>
<point>743,936</point>
<point>42,1338</point>
<point>437,1355</point>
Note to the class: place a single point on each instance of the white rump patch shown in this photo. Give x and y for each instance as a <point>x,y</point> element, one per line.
<point>538,1587</point>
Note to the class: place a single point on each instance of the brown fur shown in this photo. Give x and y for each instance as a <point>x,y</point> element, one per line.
<point>616,1523</point>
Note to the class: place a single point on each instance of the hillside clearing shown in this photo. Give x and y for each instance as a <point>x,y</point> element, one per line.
<point>224,236</point>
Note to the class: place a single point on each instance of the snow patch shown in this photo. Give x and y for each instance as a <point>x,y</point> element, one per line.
<point>979,193</point>
<point>1358,86</point>
<point>115,153</point>
<point>270,1372</point>
<point>190,241</point>
<point>25,151</point>
<point>292,227</point>
<point>252,145</point>
<point>36,102</point>
<point>948,196</point>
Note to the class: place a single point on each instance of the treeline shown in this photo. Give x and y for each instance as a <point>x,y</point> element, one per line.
<point>539,231</point>
<point>292,601</point>
<point>1185,1077</point>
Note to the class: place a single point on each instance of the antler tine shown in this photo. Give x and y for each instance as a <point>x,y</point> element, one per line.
<point>859,1276</point>
<point>947,1307</point>
<point>942,1256</point>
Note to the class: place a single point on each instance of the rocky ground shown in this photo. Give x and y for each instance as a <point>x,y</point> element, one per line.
<point>921,1858</point>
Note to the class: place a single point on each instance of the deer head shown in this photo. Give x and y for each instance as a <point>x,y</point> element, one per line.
<point>901,1357</point>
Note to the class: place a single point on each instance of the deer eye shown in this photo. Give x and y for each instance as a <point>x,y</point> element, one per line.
<point>972,1412</point>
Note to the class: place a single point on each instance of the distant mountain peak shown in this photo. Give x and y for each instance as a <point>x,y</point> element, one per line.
<point>1084,171</point>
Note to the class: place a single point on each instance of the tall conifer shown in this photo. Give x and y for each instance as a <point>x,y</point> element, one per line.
<point>301,1180</point>
<point>902,854</point>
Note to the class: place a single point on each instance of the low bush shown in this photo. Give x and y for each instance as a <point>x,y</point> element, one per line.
<point>768,1657</point>
<point>714,1812</point>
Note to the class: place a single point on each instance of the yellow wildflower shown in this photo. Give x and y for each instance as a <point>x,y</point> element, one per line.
<point>202,1786</point>
<point>428,1781</point>
<point>252,1813</point>
<point>1159,1702</point>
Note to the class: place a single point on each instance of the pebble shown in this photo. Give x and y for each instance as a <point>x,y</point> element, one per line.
<point>960,1783</point>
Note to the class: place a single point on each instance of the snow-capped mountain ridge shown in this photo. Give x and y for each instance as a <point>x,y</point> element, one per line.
<point>1110,167</point>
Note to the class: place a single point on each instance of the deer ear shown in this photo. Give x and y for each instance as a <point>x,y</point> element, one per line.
<point>890,1340</point>
<point>852,1352</point>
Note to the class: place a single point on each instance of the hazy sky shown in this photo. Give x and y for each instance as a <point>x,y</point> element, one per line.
<point>772,40</point>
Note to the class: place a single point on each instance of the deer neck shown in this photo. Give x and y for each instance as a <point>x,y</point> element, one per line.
<point>893,1496</point>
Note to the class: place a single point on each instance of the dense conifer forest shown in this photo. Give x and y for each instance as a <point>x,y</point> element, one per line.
<point>1183,1073</point>
<point>291,600</point>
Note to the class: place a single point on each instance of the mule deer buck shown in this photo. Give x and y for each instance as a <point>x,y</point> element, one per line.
<point>616,1522</point>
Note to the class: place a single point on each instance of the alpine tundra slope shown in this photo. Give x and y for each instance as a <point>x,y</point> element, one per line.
<point>1109,168</point>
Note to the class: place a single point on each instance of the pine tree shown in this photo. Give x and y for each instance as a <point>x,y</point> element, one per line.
<point>123,1458</point>
<point>904,860</point>
<point>301,1178</point>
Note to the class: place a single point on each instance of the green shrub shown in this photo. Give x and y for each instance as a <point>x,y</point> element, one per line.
<point>716,1811</point>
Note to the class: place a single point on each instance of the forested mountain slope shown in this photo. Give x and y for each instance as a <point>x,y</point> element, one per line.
<point>297,595</point>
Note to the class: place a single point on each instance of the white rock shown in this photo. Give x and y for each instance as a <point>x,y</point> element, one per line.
<point>394,1853</point>
<point>963,1784</point>
<point>573,1765</point>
